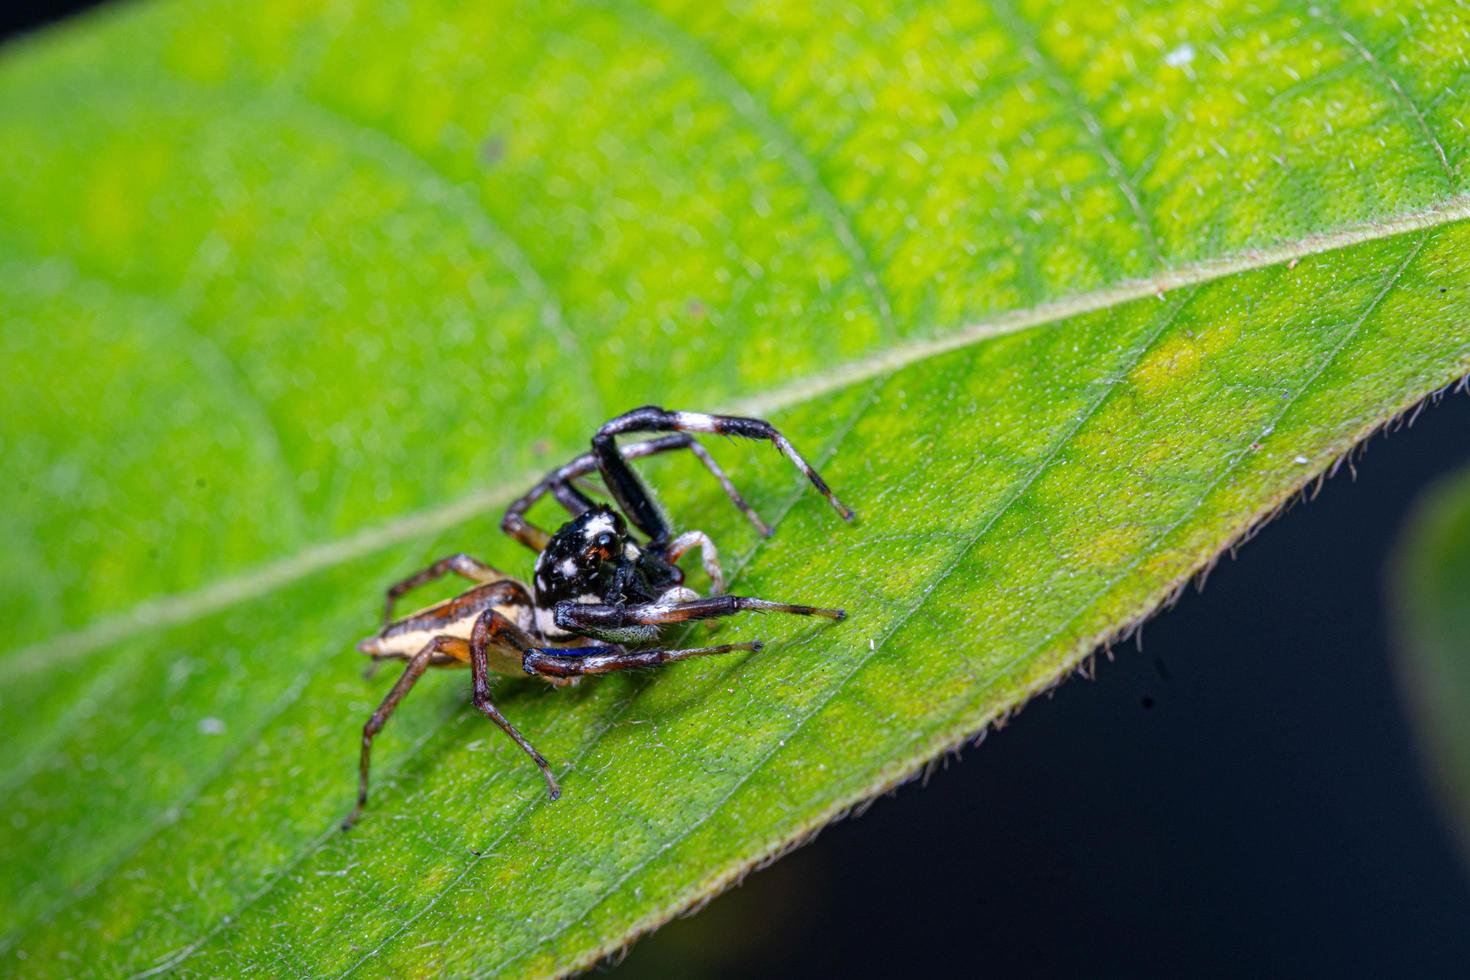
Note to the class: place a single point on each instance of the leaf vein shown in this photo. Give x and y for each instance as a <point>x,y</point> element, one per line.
<point>1335,21</point>
<point>453,194</point>
<point>208,356</point>
<point>1021,31</point>
<point>764,120</point>
<point>1231,466</point>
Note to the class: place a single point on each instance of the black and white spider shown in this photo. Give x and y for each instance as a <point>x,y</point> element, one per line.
<point>593,580</point>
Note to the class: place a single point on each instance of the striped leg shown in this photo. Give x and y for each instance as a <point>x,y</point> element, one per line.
<point>460,564</point>
<point>591,619</point>
<point>493,628</point>
<point>415,669</point>
<point>559,484</point>
<point>576,661</point>
<point>708,556</point>
<point>633,497</point>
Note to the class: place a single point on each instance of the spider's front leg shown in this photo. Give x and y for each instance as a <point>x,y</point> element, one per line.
<point>629,491</point>
<point>559,484</point>
<point>567,662</point>
<point>613,621</point>
<point>708,556</point>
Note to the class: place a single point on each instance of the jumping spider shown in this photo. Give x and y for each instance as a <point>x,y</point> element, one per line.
<point>593,580</point>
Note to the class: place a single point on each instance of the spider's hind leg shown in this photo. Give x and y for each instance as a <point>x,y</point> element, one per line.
<point>461,564</point>
<point>419,663</point>
<point>493,628</point>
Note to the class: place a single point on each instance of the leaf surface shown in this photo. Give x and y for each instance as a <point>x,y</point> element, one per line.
<point>1062,297</point>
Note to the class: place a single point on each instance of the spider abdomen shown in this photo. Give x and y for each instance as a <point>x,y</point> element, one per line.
<point>454,619</point>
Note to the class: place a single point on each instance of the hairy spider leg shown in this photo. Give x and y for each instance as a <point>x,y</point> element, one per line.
<point>490,628</point>
<point>571,497</point>
<point>559,484</point>
<point>460,564</point>
<point>630,492</point>
<point>708,556</point>
<point>590,619</point>
<point>567,662</point>
<point>415,669</point>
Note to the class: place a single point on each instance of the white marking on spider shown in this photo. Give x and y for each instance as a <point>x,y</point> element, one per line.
<point>676,595</point>
<point>568,567</point>
<point>546,623</point>
<point>692,420</point>
<point>600,524</point>
<point>710,557</point>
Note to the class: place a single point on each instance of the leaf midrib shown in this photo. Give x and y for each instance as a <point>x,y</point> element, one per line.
<point>186,607</point>
<point>1004,671</point>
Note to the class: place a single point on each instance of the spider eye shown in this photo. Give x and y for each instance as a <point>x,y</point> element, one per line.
<point>605,542</point>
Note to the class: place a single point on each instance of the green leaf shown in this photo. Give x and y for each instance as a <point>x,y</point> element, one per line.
<point>1431,586</point>
<point>1062,297</point>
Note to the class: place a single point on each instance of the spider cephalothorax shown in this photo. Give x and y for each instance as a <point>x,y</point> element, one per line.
<point>592,559</point>
<point>600,596</point>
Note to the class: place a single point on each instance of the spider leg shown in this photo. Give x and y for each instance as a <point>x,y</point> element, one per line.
<point>704,457</point>
<point>559,484</point>
<point>491,627</point>
<point>592,619</point>
<point>461,564</point>
<point>570,496</point>
<point>630,492</point>
<point>708,556</point>
<point>575,661</point>
<point>416,666</point>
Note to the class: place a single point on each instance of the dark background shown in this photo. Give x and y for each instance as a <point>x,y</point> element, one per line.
<point>1243,796</point>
